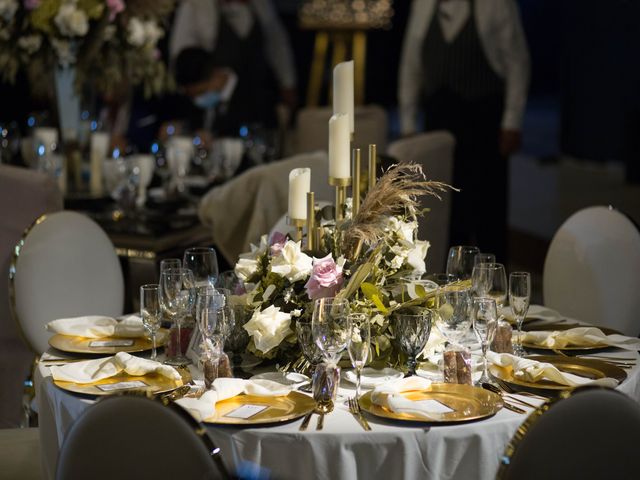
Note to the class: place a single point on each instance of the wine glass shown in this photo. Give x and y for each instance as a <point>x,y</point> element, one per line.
<point>310,349</point>
<point>490,280</point>
<point>453,317</point>
<point>203,262</point>
<point>519,298</point>
<point>485,322</point>
<point>484,258</point>
<point>168,263</point>
<point>359,344</point>
<point>460,261</point>
<point>330,327</point>
<point>177,296</point>
<point>412,334</point>
<point>442,279</point>
<point>151,313</point>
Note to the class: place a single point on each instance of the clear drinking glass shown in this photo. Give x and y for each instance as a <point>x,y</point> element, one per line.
<point>209,314</point>
<point>310,349</point>
<point>168,263</point>
<point>484,258</point>
<point>442,279</point>
<point>203,262</point>
<point>460,261</point>
<point>412,332</point>
<point>151,313</point>
<point>331,327</point>
<point>519,298</point>
<point>485,322</point>
<point>177,296</point>
<point>490,280</point>
<point>453,317</point>
<point>359,344</point>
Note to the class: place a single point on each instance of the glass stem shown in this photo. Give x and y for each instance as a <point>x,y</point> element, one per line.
<point>484,359</point>
<point>154,354</point>
<point>358,373</point>
<point>520,321</point>
<point>179,340</point>
<point>412,366</point>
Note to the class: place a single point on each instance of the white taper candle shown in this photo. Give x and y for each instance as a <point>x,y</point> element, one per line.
<point>339,138</point>
<point>299,185</point>
<point>343,91</point>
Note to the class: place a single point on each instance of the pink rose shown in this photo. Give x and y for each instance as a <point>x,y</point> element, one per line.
<point>326,278</point>
<point>31,4</point>
<point>115,7</point>
<point>277,242</point>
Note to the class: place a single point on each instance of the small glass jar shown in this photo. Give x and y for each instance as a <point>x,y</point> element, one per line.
<point>326,379</point>
<point>456,365</point>
<point>502,342</point>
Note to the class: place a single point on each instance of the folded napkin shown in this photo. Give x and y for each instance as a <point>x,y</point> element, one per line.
<point>390,396</point>
<point>371,377</point>
<point>224,388</point>
<point>579,337</point>
<point>97,326</point>
<point>94,370</point>
<point>533,371</point>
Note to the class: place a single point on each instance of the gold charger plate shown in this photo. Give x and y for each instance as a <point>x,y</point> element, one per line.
<point>279,409</point>
<point>467,402</point>
<point>154,383</point>
<point>583,367</point>
<point>71,344</point>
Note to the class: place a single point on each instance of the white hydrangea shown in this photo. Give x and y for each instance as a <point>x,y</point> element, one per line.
<point>30,43</point>
<point>71,21</point>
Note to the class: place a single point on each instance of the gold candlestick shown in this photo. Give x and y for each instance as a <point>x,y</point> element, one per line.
<point>355,189</point>
<point>341,185</point>
<point>311,220</point>
<point>299,223</point>
<point>372,165</point>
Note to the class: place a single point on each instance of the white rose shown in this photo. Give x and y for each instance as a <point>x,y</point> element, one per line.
<point>405,230</point>
<point>135,32</point>
<point>416,256</point>
<point>30,43</point>
<point>249,262</point>
<point>268,328</point>
<point>8,9</point>
<point>152,33</point>
<point>71,21</point>
<point>291,263</point>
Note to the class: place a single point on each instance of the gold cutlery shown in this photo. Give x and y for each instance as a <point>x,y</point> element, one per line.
<point>320,424</point>
<point>507,405</point>
<point>506,396</point>
<point>508,388</point>
<point>354,408</point>
<point>305,421</point>
<point>513,408</point>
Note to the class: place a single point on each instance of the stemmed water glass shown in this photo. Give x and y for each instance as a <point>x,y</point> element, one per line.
<point>310,349</point>
<point>412,332</point>
<point>453,317</point>
<point>203,262</point>
<point>460,261</point>
<point>519,298</point>
<point>151,313</point>
<point>331,327</point>
<point>485,322</point>
<point>490,280</point>
<point>209,314</point>
<point>177,296</point>
<point>359,344</point>
<point>484,258</point>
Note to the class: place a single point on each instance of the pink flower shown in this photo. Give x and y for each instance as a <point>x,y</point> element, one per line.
<point>31,4</point>
<point>326,278</point>
<point>276,242</point>
<point>115,7</point>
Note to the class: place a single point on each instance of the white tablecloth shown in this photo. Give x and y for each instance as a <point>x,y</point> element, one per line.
<point>341,451</point>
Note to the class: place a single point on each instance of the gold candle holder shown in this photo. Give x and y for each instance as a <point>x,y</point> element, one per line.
<point>318,236</point>
<point>341,185</point>
<point>311,220</point>
<point>373,154</point>
<point>299,223</point>
<point>355,189</point>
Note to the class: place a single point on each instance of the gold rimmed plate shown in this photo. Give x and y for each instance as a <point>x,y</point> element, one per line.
<point>152,383</point>
<point>583,367</point>
<point>107,345</point>
<point>255,410</point>
<point>463,403</point>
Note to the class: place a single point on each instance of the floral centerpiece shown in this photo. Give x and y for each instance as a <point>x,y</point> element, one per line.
<point>368,259</point>
<point>107,42</point>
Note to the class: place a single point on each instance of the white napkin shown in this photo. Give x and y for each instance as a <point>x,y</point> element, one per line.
<point>533,371</point>
<point>97,326</point>
<point>371,377</point>
<point>94,370</point>
<point>224,388</point>
<point>390,396</point>
<point>579,337</point>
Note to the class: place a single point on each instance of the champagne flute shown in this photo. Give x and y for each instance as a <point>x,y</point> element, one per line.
<point>177,296</point>
<point>485,322</point>
<point>412,334</point>
<point>359,344</point>
<point>168,263</point>
<point>460,261</point>
<point>490,280</point>
<point>330,326</point>
<point>484,258</point>
<point>519,298</point>
<point>208,315</point>
<point>151,313</point>
<point>203,262</point>
<point>453,317</point>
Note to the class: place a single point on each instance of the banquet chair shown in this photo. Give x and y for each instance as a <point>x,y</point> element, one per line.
<point>24,196</point>
<point>64,266</point>
<point>312,128</point>
<point>434,151</point>
<point>592,270</point>
<point>590,433</point>
<point>133,437</point>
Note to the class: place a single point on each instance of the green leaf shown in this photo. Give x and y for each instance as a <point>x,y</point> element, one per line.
<point>373,294</point>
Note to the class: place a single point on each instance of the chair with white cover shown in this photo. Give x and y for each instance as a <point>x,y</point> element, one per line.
<point>434,151</point>
<point>65,266</point>
<point>592,434</point>
<point>132,437</point>
<point>592,270</point>
<point>24,195</point>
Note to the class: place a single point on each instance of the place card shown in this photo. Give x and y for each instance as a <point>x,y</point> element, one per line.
<point>434,406</point>
<point>246,411</point>
<point>122,386</point>
<point>120,342</point>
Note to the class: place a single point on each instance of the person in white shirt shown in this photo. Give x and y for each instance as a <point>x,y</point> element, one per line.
<point>465,63</point>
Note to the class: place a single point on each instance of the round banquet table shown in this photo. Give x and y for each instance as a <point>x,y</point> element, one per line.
<point>342,450</point>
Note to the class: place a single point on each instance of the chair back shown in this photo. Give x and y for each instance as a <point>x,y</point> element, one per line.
<point>312,128</point>
<point>592,434</point>
<point>132,437</point>
<point>434,151</point>
<point>592,270</point>
<point>65,266</point>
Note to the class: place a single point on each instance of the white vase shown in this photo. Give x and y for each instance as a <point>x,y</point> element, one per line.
<point>68,102</point>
